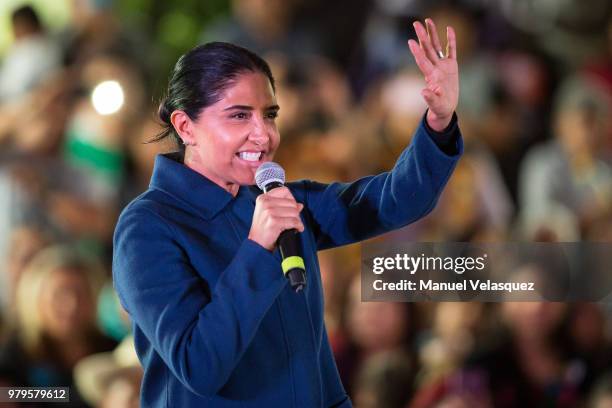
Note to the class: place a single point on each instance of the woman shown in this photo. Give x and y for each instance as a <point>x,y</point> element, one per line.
<point>55,325</point>
<point>374,330</point>
<point>195,263</point>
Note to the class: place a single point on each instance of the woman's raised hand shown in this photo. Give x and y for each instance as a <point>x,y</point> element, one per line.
<point>440,70</point>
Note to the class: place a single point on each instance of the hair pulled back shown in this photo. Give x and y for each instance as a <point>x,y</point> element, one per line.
<point>199,78</point>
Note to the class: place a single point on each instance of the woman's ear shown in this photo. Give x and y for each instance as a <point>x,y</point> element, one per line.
<point>184,126</point>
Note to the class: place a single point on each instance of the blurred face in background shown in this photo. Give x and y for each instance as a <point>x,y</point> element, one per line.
<point>454,318</point>
<point>533,320</point>
<point>237,134</point>
<point>66,304</point>
<point>578,130</point>
<point>25,243</point>
<point>376,326</point>
<point>265,19</point>
<point>23,29</point>
<point>463,25</point>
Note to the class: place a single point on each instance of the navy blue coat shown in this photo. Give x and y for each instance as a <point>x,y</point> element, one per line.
<point>215,322</point>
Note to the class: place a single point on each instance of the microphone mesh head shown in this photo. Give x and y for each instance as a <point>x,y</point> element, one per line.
<point>267,173</point>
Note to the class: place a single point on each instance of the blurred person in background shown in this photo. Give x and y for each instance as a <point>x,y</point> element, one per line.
<point>95,146</point>
<point>33,89</point>
<point>573,32</point>
<point>122,389</point>
<point>383,381</point>
<point>590,335</point>
<point>24,243</point>
<point>69,180</point>
<point>55,323</point>
<point>566,175</point>
<point>337,269</point>
<point>601,396</point>
<point>264,26</point>
<point>45,109</point>
<point>504,131</point>
<point>111,379</point>
<point>457,330</point>
<point>373,330</point>
<point>528,362</point>
<point>600,70</point>
<point>95,29</point>
<point>295,28</point>
<point>32,57</point>
<point>476,206</point>
<point>65,170</point>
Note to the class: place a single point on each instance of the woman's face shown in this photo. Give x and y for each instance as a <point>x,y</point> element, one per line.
<point>237,134</point>
<point>66,304</point>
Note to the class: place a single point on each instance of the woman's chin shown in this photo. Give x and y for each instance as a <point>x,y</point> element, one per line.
<point>247,179</point>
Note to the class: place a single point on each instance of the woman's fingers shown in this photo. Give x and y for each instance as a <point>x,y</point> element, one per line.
<point>440,71</point>
<point>274,202</point>
<point>451,49</point>
<point>287,223</point>
<point>280,192</point>
<point>433,35</point>
<point>422,61</point>
<point>280,202</point>
<point>425,42</point>
<point>283,212</point>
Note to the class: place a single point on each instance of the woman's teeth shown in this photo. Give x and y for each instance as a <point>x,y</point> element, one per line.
<point>250,156</point>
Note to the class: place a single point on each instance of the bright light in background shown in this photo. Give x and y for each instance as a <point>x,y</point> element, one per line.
<point>107,97</point>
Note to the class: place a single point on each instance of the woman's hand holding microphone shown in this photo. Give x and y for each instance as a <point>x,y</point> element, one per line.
<point>275,212</point>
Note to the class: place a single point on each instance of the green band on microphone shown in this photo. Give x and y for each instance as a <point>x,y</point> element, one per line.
<point>292,262</point>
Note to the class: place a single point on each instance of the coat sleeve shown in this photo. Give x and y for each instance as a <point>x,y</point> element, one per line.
<point>200,335</point>
<point>344,213</point>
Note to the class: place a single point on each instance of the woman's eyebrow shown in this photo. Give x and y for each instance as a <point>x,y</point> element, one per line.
<point>250,108</point>
<point>241,107</point>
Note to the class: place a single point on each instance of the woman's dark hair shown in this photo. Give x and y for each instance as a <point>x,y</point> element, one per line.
<point>199,78</point>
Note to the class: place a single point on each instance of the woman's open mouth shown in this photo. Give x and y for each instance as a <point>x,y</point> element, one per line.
<point>250,158</point>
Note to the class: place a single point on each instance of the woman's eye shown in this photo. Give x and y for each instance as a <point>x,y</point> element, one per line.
<point>240,115</point>
<point>272,115</point>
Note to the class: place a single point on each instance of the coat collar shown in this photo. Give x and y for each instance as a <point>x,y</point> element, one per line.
<point>171,176</point>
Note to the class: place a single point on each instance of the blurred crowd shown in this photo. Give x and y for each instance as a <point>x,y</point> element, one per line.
<point>77,109</point>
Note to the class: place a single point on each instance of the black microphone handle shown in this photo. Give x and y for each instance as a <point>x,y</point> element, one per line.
<point>290,246</point>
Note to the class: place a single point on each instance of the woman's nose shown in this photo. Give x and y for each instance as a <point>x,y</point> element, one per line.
<point>259,139</point>
<point>259,134</point>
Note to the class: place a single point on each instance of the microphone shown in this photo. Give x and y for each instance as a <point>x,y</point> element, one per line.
<point>268,176</point>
